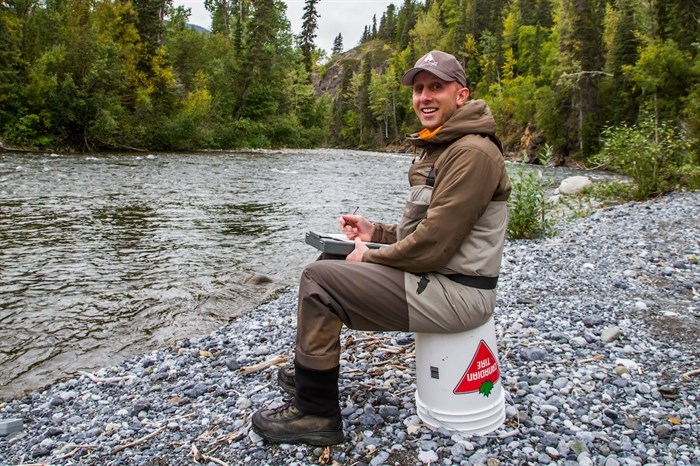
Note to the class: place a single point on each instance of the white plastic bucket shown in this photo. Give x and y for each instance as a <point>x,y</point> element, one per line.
<point>458,380</point>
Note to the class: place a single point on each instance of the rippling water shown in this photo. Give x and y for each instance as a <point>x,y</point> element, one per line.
<point>103,256</point>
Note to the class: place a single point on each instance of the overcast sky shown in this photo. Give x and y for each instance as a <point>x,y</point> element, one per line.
<point>347,17</point>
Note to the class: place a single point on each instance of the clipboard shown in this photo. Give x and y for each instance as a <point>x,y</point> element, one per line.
<point>338,244</point>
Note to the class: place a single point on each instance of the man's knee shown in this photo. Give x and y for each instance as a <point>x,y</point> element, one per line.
<point>316,271</point>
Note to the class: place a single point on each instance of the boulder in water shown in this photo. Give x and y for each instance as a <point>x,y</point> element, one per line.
<point>258,279</point>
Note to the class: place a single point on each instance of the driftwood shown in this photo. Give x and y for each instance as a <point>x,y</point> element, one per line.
<point>232,437</point>
<point>152,434</point>
<point>116,145</point>
<point>687,375</point>
<point>197,457</point>
<point>137,441</point>
<point>12,149</point>
<point>594,358</point>
<point>96,379</point>
<point>279,359</point>
<point>325,457</point>
<point>405,391</point>
<point>174,418</point>
<point>511,433</point>
<point>75,449</point>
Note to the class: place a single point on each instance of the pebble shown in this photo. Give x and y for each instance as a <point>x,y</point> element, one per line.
<point>610,334</point>
<point>594,334</point>
<point>427,457</point>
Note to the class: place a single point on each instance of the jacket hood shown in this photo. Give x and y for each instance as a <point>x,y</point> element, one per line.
<point>474,117</point>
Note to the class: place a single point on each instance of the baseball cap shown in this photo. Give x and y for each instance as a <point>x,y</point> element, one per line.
<point>441,64</point>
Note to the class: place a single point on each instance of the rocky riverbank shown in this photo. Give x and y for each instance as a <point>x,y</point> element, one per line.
<point>597,329</point>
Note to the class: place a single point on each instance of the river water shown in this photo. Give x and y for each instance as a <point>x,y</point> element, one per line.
<point>103,256</point>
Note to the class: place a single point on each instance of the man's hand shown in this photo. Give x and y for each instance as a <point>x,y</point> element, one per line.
<point>356,226</point>
<point>356,254</point>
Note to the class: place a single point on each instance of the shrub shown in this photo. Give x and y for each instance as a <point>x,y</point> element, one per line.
<point>611,192</point>
<point>28,130</point>
<point>658,158</point>
<point>242,133</point>
<point>530,210</point>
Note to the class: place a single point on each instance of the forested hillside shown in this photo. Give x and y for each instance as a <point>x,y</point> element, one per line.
<point>559,74</point>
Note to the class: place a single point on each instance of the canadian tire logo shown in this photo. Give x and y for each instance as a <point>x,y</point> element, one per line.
<point>482,373</point>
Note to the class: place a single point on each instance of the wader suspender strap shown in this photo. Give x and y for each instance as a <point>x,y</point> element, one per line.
<point>430,179</point>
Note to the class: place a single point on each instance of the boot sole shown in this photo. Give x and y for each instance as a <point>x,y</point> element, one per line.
<point>321,439</point>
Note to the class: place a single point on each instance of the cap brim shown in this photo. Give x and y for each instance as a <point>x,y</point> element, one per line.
<point>410,75</point>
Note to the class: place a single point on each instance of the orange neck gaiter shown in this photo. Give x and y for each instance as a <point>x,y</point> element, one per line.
<point>425,134</point>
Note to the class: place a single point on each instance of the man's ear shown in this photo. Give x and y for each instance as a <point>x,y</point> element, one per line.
<point>462,96</point>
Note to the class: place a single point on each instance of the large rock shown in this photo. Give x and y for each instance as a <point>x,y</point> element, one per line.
<point>574,184</point>
<point>329,79</point>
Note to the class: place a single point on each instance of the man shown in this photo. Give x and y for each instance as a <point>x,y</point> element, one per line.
<point>438,273</point>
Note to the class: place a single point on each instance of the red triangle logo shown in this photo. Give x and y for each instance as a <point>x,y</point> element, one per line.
<point>482,374</point>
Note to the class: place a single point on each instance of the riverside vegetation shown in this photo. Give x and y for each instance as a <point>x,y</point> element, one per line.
<point>656,161</point>
<point>132,74</point>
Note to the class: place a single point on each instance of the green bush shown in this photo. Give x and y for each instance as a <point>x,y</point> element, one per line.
<point>283,132</point>
<point>243,133</point>
<point>659,158</point>
<point>28,130</point>
<point>610,192</point>
<point>530,210</point>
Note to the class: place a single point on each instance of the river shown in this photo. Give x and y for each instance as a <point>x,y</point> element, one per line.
<point>103,256</point>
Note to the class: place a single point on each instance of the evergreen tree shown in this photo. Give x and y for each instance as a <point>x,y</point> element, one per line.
<point>363,102</point>
<point>308,33</point>
<point>622,52</point>
<point>527,10</point>
<point>10,65</point>
<point>486,16</point>
<point>221,12</point>
<point>342,104</point>
<point>461,31</point>
<point>535,12</point>
<point>151,15</point>
<point>428,32</point>
<point>366,36</point>
<point>484,22</point>
<point>581,41</point>
<point>387,23</point>
<point>407,17</point>
<point>337,45</point>
<point>544,13</point>
<point>188,51</point>
<point>679,20</point>
<point>261,62</point>
<point>240,22</point>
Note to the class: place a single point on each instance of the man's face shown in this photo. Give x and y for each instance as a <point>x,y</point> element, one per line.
<point>435,100</point>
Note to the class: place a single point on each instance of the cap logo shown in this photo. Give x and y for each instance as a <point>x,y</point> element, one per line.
<point>429,61</point>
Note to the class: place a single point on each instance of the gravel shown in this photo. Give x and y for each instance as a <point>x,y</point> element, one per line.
<point>597,330</point>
